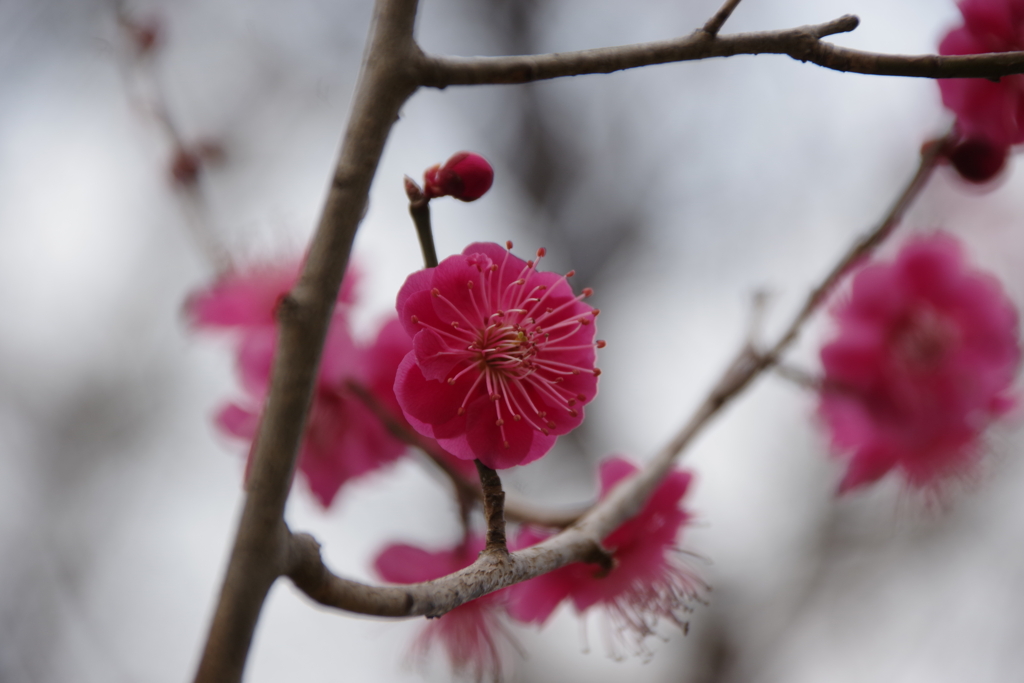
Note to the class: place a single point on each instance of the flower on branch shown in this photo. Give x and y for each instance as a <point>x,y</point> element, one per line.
<point>465,176</point>
<point>924,354</point>
<point>989,113</point>
<point>343,439</point>
<point>646,583</point>
<point>503,356</point>
<point>472,635</point>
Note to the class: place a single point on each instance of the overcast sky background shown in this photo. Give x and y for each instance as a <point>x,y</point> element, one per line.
<point>677,190</point>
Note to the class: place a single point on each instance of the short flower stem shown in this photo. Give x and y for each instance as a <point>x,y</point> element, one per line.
<point>494,509</point>
<point>515,509</point>
<point>419,209</point>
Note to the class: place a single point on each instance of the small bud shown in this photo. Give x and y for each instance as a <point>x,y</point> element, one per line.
<point>144,34</point>
<point>977,160</point>
<point>465,176</point>
<point>185,167</point>
<point>189,161</point>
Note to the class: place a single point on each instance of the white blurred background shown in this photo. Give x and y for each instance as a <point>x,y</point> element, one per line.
<point>675,191</point>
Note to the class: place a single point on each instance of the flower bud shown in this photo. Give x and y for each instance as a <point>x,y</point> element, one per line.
<point>976,159</point>
<point>465,176</point>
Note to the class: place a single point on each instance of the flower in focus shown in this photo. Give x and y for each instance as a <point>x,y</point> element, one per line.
<point>503,356</point>
<point>465,176</point>
<point>343,439</point>
<point>993,111</point>
<point>925,351</point>
<point>469,633</point>
<point>646,583</point>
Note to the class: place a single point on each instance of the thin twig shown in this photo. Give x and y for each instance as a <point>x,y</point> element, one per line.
<point>494,508</point>
<point>419,209</point>
<point>715,23</point>
<point>803,43</point>
<point>865,245</point>
<point>798,376</point>
<point>581,541</point>
<point>152,102</point>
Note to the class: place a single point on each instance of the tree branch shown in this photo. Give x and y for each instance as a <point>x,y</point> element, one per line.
<point>494,509</point>
<point>802,43</point>
<point>261,545</point>
<point>581,542</point>
<point>715,23</point>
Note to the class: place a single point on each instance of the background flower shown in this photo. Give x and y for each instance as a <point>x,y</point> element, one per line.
<point>469,634</point>
<point>343,439</point>
<point>990,110</point>
<point>922,361</point>
<point>646,582</point>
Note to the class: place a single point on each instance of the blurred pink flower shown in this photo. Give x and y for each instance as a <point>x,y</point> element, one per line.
<point>925,351</point>
<point>985,109</point>
<point>469,633</point>
<point>503,357</point>
<point>646,583</point>
<point>343,439</point>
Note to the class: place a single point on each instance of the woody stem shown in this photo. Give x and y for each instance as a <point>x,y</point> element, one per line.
<point>494,508</point>
<point>419,209</point>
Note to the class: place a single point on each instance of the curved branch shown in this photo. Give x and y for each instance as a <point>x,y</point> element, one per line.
<point>581,542</point>
<point>803,43</point>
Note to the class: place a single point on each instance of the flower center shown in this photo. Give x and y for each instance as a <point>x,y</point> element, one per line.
<point>520,344</point>
<point>925,340</point>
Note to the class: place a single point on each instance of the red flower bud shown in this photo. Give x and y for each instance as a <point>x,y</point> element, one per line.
<point>185,167</point>
<point>465,176</point>
<point>976,159</point>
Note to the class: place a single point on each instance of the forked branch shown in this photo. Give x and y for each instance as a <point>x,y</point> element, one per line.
<point>803,43</point>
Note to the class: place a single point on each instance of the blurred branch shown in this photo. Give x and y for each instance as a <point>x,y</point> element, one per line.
<point>188,159</point>
<point>803,43</point>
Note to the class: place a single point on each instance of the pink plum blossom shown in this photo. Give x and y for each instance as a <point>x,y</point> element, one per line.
<point>343,439</point>
<point>646,583</point>
<point>503,356</point>
<point>924,354</point>
<point>985,109</point>
<point>469,634</point>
